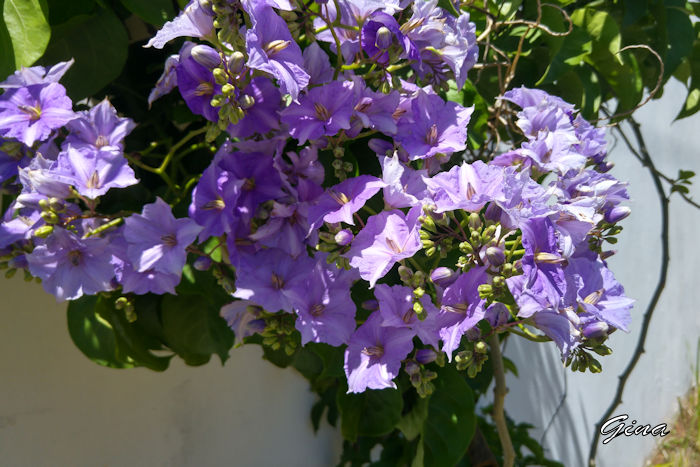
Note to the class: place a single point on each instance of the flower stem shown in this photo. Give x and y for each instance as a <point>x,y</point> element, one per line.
<point>499,398</point>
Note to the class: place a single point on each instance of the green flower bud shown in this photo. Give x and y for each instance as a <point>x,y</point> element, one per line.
<point>10,273</point>
<point>247,101</point>
<point>475,238</point>
<point>50,217</point>
<point>418,292</point>
<point>236,62</point>
<point>120,303</point>
<point>44,231</point>
<point>427,243</point>
<point>481,347</point>
<point>220,76</point>
<point>474,221</point>
<point>466,247</point>
<point>405,274</point>
<point>488,234</point>
<point>485,290</point>
<point>228,90</point>
<point>430,251</point>
<point>44,204</point>
<point>424,235</point>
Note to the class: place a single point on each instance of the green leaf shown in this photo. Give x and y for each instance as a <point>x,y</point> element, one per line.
<point>28,29</point>
<point>411,424</point>
<point>193,328</point>
<point>371,413</point>
<point>98,43</point>
<point>451,421</point>
<point>61,11</point>
<point>155,12</point>
<point>448,6</point>
<point>92,334</point>
<point>681,36</point>
<point>7,55</point>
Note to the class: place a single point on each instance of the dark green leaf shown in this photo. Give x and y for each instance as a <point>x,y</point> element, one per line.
<point>98,43</point>
<point>28,29</point>
<point>155,12</point>
<point>61,11</point>
<point>448,6</point>
<point>193,328</point>
<point>411,424</point>
<point>451,421</point>
<point>681,36</point>
<point>92,334</point>
<point>371,413</point>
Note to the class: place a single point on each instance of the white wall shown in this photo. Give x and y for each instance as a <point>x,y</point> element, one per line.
<point>57,408</point>
<point>665,371</point>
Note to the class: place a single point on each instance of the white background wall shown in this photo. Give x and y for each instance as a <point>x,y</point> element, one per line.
<point>57,408</point>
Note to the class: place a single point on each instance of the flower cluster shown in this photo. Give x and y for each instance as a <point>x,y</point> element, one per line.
<point>451,251</point>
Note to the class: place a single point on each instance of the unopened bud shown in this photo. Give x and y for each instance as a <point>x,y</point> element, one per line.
<point>405,274</point>
<point>236,62</point>
<point>596,330</point>
<point>44,231</point>
<point>384,38</point>
<point>425,356</point>
<point>246,101</point>
<point>474,221</point>
<point>443,276</point>
<point>411,367</point>
<point>50,217</point>
<point>220,76</point>
<point>206,56</point>
<point>481,347</point>
<point>344,237</point>
<point>495,255</point>
<point>203,263</point>
<point>228,90</point>
<point>617,213</point>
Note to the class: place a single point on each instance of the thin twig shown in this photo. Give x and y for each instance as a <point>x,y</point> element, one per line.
<point>665,259</point>
<point>499,397</point>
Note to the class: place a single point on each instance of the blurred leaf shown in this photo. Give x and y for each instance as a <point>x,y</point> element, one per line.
<point>28,29</point>
<point>7,55</point>
<point>61,11</point>
<point>411,424</point>
<point>98,43</point>
<point>155,12</point>
<point>681,36</point>
<point>371,413</point>
<point>451,421</point>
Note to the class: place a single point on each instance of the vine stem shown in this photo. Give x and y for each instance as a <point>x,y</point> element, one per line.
<point>661,284</point>
<point>499,399</point>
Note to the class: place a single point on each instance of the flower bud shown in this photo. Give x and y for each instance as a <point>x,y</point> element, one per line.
<point>18,262</point>
<point>236,62</point>
<point>474,221</point>
<point>220,76</point>
<point>411,367</point>
<point>206,56</point>
<point>617,213</point>
<point>344,237</point>
<point>595,330</point>
<point>228,90</point>
<point>44,231</point>
<point>607,254</point>
<point>443,276</point>
<point>384,38</point>
<point>405,274</point>
<point>604,167</point>
<point>203,263</point>
<point>425,356</point>
<point>56,204</point>
<point>481,347</point>
<point>495,256</point>
<point>246,101</point>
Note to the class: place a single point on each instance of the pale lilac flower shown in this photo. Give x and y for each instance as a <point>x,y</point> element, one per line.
<point>374,354</point>
<point>99,128</point>
<point>71,267</point>
<point>404,186</point>
<point>244,318</point>
<point>36,75</point>
<point>157,240</point>
<point>193,21</point>
<point>31,113</point>
<point>93,173</point>
<point>340,202</point>
<point>467,186</point>
<point>388,237</point>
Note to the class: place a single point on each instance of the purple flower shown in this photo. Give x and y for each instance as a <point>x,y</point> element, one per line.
<point>93,173</point>
<point>99,128</point>
<point>31,113</point>
<point>272,279</point>
<point>325,311</point>
<point>340,202</point>
<point>196,84</point>
<point>214,200</point>
<point>157,240</point>
<point>167,81</point>
<point>396,310</point>
<point>140,283</point>
<point>433,126</point>
<point>263,115</point>
<point>462,308</point>
<point>599,293</point>
<point>388,237</point>
<point>286,228</point>
<point>373,110</point>
<point>317,63</point>
<point>467,186</point>
<point>324,110</point>
<point>272,49</point>
<point>560,329</point>
<point>374,354</point>
<point>379,33</point>
<point>244,318</point>
<point>404,186</point>
<point>543,261</point>
<point>36,75</point>
<point>193,21</point>
<point>460,50</point>
<point>71,267</point>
